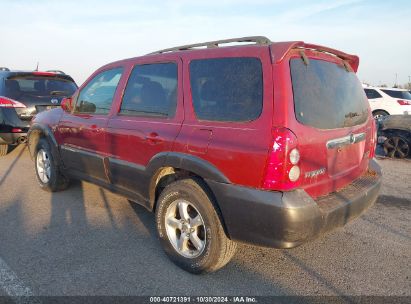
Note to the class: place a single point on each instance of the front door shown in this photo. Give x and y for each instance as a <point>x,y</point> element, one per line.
<point>81,134</point>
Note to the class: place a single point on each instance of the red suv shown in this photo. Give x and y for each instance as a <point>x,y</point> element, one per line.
<point>266,143</point>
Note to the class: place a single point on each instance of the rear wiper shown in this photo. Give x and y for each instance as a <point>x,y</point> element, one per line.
<point>58,93</point>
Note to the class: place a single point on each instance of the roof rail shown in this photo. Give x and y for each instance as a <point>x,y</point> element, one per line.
<point>56,71</point>
<point>4,69</point>
<point>261,40</point>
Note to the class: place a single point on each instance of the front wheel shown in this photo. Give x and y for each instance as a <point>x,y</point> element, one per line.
<point>190,228</point>
<point>47,171</point>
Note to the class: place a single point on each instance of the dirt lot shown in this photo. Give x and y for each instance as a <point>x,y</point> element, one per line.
<point>87,241</point>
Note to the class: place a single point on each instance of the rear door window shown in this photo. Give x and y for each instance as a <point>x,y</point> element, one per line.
<point>151,91</point>
<point>398,94</point>
<point>227,89</point>
<point>326,95</point>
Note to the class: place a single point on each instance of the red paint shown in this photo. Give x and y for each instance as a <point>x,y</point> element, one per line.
<point>241,151</point>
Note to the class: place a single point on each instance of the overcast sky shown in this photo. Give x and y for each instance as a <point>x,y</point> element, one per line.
<point>78,36</point>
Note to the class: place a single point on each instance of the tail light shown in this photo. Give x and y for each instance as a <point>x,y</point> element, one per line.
<point>373,141</point>
<point>282,171</point>
<point>404,102</point>
<point>10,103</point>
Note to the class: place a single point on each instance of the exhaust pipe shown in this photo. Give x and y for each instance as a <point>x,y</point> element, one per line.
<point>22,140</point>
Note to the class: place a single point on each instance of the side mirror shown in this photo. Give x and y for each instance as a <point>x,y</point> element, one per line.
<point>66,104</point>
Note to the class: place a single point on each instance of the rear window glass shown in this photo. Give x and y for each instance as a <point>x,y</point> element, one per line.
<point>18,87</point>
<point>326,95</point>
<point>227,89</point>
<point>398,94</point>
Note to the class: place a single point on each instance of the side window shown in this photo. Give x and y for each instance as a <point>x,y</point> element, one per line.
<point>151,91</point>
<point>227,89</point>
<point>97,96</point>
<point>372,94</point>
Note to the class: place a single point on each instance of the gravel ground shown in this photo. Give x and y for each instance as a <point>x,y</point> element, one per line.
<point>87,241</point>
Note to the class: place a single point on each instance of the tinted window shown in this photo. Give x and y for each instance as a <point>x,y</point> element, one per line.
<point>227,89</point>
<point>372,94</point>
<point>27,86</point>
<point>398,94</point>
<point>326,95</point>
<point>151,90</point>
<point>97,96</point>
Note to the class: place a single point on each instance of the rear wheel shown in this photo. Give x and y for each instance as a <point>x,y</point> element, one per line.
<point>379,113</point>
<point>190,229</point>
<point>47,171</point>
<point>4,149</point>
<point>397,146</point>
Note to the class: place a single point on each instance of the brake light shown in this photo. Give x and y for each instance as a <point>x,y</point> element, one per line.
<point>282,171</point>
<point>373,141</point>
<point>404,102</point>
<point>6,102</point>
<point>44,73</point>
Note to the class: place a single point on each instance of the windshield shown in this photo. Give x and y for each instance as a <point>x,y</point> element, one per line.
<point>326,95</point>
<point>17,87</point>
<point>398,94</point>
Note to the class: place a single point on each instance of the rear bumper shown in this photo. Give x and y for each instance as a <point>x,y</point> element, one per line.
<point>288,219</point>
<point>13,138</point>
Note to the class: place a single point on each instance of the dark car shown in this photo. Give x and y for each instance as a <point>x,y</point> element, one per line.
<point>22,95</point>
<point>268,143</point>
<point>395,133</point>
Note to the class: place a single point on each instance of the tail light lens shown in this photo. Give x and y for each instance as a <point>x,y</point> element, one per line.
<point>282,171</point>
<point>404,102</point>
<point>373,141</point>
<point>6,102</point>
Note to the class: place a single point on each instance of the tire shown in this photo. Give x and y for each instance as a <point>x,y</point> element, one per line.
<point>47,171</point>
<point>397,146</point>
<point>379,113</point>
<point>4,149</point>
<point>206,247</point>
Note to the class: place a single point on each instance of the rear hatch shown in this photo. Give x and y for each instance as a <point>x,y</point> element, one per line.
<point>331,119</point>
<point>38,91</point>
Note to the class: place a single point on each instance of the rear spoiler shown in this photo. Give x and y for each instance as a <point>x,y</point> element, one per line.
<point>280,49</point>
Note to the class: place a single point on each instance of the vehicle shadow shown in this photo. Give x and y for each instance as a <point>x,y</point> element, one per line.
<point>13,163</point>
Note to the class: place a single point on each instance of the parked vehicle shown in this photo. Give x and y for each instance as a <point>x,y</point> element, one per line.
<point>266,143</point>
<point>395,131</point>
<point>22,95</point>
<point>388,101</point>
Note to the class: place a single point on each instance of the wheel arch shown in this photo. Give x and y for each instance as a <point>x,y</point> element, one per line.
<point>38,131</point>
<point>166,168</point>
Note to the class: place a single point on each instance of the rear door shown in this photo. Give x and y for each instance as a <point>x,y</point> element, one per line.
<point>330,115</point>
<point>147,120</point>
<point>81,134</point>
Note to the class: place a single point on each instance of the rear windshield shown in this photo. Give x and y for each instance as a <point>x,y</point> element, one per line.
<point>398,94</point>
<point>326,95</point>
<point>18,87</point>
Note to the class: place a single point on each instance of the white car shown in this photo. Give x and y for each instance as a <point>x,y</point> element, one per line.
<point>388,101</point>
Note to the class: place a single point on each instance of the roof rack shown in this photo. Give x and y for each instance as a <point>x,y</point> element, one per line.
<point>4,69</point>
<point>261,40</point>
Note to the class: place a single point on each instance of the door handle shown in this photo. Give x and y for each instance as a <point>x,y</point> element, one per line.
<point>154,138</point>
